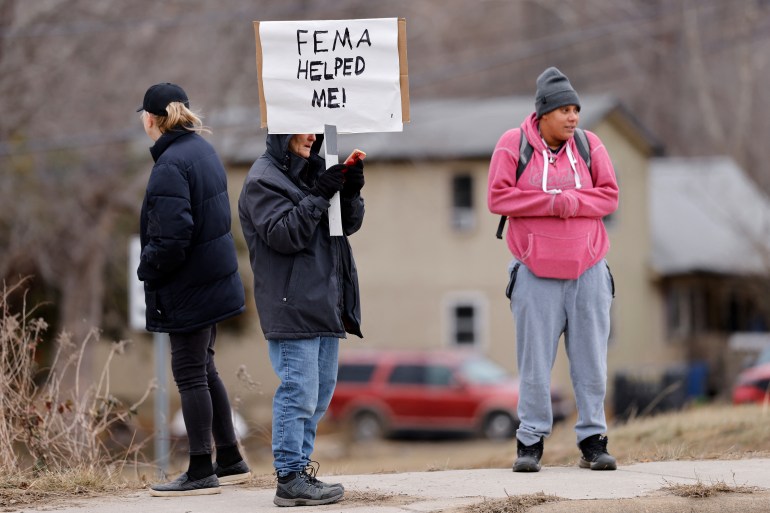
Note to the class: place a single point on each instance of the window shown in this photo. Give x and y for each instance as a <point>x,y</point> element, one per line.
<point>439,376</point>
<point>407,375</point>
<point>420,374</point>
<point>466,315</point>
<point>463,216</point>
<point>679,311</point>
<point>355,373</point>
<point>465,332</point>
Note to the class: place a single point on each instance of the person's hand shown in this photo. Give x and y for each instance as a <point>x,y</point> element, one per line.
<point>354,179</point>
<point>566,204</point>
<point>329,182</point>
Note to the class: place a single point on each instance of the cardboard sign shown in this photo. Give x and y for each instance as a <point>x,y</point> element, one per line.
<point>351,74</point>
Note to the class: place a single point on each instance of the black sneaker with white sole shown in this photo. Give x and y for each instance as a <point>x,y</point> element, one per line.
<point>184,486</point>
<point>299,489</point>
<point>595,455</point>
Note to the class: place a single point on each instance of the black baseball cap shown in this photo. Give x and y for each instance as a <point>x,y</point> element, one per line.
<point>157,98</point>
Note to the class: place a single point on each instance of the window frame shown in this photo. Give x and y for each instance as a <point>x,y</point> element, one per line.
<point>463,216</point>
<point>480,304</point>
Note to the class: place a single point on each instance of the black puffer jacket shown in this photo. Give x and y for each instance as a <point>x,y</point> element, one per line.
<point>305,280</point>
<point>188,263</point>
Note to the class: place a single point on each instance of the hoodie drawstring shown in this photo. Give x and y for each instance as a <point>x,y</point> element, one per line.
<point>572,163</point>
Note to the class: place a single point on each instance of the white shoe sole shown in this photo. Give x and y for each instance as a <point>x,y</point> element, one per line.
<point>234,479</point>
<point>185,493</point>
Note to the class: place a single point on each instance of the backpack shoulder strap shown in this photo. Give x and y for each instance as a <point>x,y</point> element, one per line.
<point>525,153</point>
<point>581,141</point>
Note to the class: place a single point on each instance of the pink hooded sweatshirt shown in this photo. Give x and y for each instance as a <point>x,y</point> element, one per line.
<point>555,234</point>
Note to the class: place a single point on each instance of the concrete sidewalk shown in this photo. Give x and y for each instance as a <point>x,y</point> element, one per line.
<point>449,490</point>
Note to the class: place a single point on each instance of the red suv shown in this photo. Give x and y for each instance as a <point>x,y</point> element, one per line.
<point>383,392</point>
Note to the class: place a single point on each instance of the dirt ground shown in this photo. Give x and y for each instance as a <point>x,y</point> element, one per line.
<point>339,456</point>
<point>713,432</point>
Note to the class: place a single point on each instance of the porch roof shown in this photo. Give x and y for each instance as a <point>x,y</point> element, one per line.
<point>707,215</point>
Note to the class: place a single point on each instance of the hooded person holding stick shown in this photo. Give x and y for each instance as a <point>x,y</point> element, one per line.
<point>306,291</point>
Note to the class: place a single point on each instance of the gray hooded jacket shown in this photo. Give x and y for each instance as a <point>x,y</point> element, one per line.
<point>305,280</point>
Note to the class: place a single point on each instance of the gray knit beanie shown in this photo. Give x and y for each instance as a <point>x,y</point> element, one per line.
<point>553,91</point>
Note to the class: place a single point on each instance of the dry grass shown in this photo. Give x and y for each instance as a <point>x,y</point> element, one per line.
<point>358,497</point>
<point>717,431</point>
<point>700,490</point>
<point>21,490</point>
<point>511,504</point>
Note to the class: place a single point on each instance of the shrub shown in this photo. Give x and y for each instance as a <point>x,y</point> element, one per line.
<point>52,420</point>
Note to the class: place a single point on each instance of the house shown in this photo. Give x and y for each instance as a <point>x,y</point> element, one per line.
<point>711,257</point>
<point>432,272</point>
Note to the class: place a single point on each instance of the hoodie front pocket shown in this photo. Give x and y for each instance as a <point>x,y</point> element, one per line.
<point>557,257</point>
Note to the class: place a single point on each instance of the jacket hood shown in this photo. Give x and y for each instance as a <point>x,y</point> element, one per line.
<point>278,146</point>
<point>531,130</point>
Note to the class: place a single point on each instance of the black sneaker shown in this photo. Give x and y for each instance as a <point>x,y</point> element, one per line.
<point>312,470</point>
<point>234,474</point>
<point>528,456</point>
<point>300,490</point>
<point>183,486</point>
<point>595,455</point>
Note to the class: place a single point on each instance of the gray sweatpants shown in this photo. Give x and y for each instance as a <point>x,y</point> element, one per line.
<point>543,309</point>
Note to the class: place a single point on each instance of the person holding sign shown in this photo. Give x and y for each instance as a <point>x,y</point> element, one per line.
<point>306,292</point>
<point>190,272</point>
<point>559,282</point>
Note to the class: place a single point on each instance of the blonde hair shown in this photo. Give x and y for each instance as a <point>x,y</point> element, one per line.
<point>179,116</point>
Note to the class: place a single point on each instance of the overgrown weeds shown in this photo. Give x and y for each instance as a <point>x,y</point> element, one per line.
<point>56,425</point>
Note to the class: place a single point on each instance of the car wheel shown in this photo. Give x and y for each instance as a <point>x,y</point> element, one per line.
<point>499,426</point>
<point>367,425</point>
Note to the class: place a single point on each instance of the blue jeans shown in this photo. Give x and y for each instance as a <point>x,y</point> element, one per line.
<point>307,369</point>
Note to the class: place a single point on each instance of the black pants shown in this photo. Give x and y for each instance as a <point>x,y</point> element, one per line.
<point>205,406</point>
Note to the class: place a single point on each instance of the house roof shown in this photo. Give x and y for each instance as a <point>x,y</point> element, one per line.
<point>707,215</point>
<point>457,128</point>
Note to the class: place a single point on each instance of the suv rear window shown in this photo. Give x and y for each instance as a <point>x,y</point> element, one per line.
<point>355,373</point>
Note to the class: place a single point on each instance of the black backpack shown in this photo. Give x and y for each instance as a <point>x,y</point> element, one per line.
<point>525,153</point>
